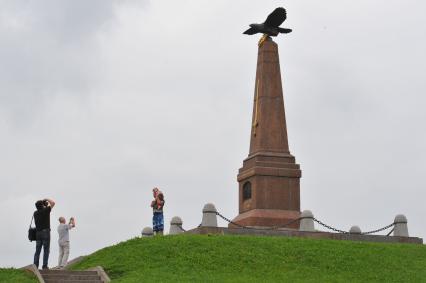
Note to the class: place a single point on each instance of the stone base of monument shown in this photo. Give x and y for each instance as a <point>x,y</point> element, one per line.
<point>268,218</point>
<point>295,233</point>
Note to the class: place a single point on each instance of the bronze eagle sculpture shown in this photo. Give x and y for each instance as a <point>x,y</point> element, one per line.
<point>271,26</point>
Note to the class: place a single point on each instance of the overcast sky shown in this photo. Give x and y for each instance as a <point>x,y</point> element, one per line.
<point>101,100</point>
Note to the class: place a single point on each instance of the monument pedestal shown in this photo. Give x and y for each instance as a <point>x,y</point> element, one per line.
<point>269,181</point>
<point>267,218</point>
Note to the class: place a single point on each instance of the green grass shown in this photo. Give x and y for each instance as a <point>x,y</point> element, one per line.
<point>11,275</point>
<point>198,258</point>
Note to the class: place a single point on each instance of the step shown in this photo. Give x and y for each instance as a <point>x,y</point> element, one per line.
<point>71,281</point>
<point>66,272</point>
<point>70,276</point>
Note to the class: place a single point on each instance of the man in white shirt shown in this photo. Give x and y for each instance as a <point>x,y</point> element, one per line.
<point>64,240</point>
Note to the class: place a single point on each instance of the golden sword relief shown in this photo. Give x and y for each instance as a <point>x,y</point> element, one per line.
<point>262,40</point>
<point>255,122</point>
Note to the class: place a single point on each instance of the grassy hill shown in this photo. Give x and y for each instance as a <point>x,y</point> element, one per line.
<point>186,258</point>
<point>10,275</point>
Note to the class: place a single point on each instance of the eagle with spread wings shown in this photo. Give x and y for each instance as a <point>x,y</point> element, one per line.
<point>271,27</point>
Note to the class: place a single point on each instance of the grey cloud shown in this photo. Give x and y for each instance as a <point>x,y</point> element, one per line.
<point>50,48</point>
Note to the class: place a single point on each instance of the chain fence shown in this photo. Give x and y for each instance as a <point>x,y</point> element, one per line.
<point>381,229</point>
<point>298,219</point>
<point>390,232</point>
<point>257,228</point>
<point>184,230</point>
<point>362,233</point>
<point>329,227</point>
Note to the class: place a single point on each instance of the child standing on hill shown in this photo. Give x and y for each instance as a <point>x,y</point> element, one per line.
<point>157,207</point>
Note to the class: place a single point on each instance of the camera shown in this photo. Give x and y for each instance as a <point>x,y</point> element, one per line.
<point>45,203</point>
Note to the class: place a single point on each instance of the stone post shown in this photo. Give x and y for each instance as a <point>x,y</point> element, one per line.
<point>175,226</point>
<point>401,228</point>
<point>147,232</point>
<point>307,221</point>
<point>355,230</point>
<point>209,216</point>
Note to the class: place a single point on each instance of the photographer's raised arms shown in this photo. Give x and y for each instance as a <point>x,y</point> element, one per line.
<point>42,234</point>
<point>42,223</point>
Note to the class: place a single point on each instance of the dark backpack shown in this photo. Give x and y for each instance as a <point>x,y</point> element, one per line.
<point>32,231</point>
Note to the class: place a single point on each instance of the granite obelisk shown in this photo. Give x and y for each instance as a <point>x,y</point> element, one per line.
<point>269,181</point>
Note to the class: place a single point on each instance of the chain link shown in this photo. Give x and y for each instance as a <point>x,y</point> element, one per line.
<point>364,233</point>
<point>231,222</point>
<point>183,230</point>
<point>329,227</point>
<point>390,232</point>
<point>380,230</point>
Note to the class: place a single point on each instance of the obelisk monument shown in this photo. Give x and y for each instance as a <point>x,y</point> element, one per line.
<point>269,181</point>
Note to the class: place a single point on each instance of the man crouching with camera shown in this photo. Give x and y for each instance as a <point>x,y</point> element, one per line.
<point>42,223</point>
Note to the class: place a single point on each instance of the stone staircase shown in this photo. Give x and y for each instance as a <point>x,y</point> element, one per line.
<point>68,276</point>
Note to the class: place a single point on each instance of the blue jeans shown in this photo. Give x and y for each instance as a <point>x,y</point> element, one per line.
<point>42,240</point>
<point>158,222</point>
